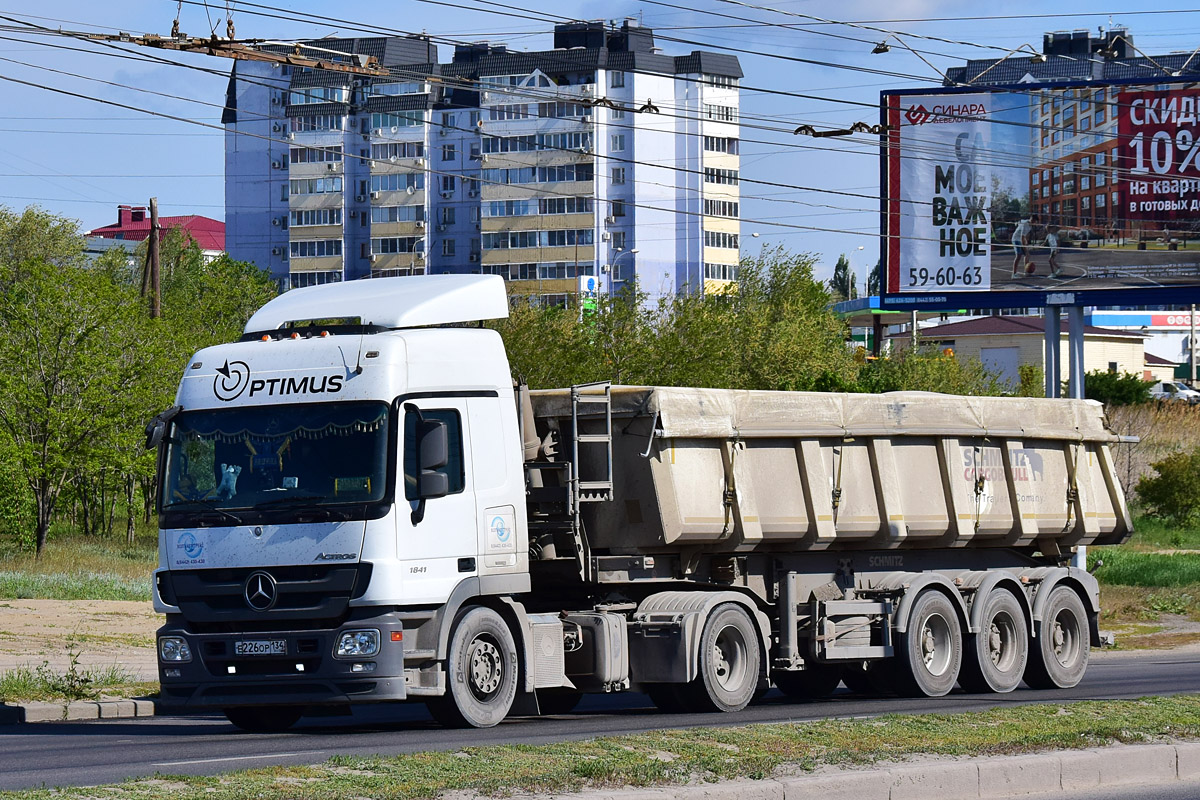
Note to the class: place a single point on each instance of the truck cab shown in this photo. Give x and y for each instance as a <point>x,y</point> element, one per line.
<point>347,465</point>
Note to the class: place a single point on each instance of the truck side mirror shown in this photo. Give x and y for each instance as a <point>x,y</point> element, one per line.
<point>156,429</point>
<point>433,453</point>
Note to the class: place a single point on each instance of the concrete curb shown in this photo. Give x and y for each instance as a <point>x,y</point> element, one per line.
<point>76,710</point>
<point>983,778</point>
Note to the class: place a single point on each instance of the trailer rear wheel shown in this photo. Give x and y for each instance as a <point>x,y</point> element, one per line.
<point>264,719</point>
<point>729,661</point>
<point>930,651</point>
<point>995,657</point>
<point>815,683</point>
<point>1059,655</point>
<point>481,672</point>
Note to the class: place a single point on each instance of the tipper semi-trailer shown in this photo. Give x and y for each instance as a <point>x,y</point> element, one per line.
<point>357,505</point>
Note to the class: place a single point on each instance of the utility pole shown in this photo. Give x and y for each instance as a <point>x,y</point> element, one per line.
<point>153,255</point>
<point>1192,342</point>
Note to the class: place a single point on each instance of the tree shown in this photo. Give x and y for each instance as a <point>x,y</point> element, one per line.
<point>841,286</point>
<point>69,359</point>
<point>37,235</point>
<point>1174,492</point>
<point>874,279</point>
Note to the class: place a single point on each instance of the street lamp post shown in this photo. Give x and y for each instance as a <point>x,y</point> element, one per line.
<point>612,270</point>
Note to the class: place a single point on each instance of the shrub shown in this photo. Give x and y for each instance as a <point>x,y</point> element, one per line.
<point>1116,388</point>
<point>1173,493</point>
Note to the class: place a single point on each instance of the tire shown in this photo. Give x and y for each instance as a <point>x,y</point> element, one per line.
<point>668,697</point>
<point>815,683</point>
<point>929,653</point>
<point>871,679</point>
<point>264,719</point>
<point>996,656</point>
<point>730,662</point>
<point>558,701</point>
<point>481,674</point>
<point>1058,657</point>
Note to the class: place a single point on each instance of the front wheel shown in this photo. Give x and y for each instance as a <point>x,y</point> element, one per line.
<point>481,672</point>
<point>264,719</point>
<point>1059,655</point>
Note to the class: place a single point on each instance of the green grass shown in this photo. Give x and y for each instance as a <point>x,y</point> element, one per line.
<point>80,568</point>
<point>42,683</point>
<point>1126,567</point>
<point>679,756</point>
<point>1155,534</point>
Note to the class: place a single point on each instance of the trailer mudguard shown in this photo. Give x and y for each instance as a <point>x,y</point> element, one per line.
<point>912,584</point>
<point>983,582</point>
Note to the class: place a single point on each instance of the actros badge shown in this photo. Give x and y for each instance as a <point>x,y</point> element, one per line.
<point>231,380</point>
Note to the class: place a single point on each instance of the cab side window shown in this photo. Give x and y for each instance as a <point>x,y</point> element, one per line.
<point>454,470</point>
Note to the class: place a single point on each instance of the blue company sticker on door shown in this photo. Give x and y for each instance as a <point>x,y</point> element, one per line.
<point>188,550</point>
<point>502,534</point>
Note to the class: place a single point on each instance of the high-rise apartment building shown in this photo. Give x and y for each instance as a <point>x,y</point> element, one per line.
<point>602,157</point>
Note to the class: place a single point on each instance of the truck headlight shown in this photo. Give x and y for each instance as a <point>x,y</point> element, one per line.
<point>174,649</point>
<point>355,644</point>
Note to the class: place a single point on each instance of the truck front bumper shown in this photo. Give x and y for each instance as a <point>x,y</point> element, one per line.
<point>301,671</point>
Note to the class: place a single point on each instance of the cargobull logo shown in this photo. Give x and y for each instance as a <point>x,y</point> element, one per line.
<point>988,463</point>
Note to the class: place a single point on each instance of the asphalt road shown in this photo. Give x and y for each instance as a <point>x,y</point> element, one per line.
<point>88,753</point>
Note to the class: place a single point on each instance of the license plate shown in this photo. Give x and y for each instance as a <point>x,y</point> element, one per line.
<point>271,647</point>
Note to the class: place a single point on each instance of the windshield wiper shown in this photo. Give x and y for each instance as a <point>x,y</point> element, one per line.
<point>208,504</point>
<point>299,499</point>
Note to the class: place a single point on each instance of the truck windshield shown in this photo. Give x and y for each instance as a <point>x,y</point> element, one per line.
<point>272,460</point>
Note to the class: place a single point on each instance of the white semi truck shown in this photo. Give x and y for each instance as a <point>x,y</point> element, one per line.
<point>357,506</point>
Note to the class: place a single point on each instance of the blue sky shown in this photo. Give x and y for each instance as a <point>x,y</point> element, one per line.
<point>81,158</point>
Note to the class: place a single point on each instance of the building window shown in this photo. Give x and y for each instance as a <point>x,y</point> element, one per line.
<point>320,248</point>
<point>728,177</point>
<point>316,185</point>
<point>618,142</point>
<point>316,216</point>
<point>721,239</point>
<point>617,79</point>
<point>617,113</point>
<point>449,182</point>
<point>448,152</point>
<point>298,280</point>
<point>721,272</point>
<point>397,119</point>
<point>501,113</point>
<point>317,122</point>
<point>721,208</point>
<point>397,150</point>
<point>398,182</point>
<point>618,240</point>
<point>414,213</point>
<point>721,144</point>
<point>475,151</point>
<point>720,113</point>
<point>618,208</point>
<point>395,244</point>
<point>618,175</point>
<point>564,173</point>
<point>315,155</point>
<point>447,247</point>
<point>724,81</point>
<point>318,94</point>
<point>448,215</point>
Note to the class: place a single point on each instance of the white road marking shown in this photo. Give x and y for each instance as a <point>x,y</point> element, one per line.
<point>235,758</point>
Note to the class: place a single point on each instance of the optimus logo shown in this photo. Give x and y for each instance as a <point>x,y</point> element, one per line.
<point>948,112</point>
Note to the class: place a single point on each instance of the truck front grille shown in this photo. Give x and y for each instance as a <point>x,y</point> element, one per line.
<point>306,597</point>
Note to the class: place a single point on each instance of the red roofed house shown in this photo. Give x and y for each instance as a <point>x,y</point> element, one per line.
<point>133,225</point>
<point>1004,343</point>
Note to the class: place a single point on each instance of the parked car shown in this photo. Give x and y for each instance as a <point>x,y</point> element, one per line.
<point>1174,390</point>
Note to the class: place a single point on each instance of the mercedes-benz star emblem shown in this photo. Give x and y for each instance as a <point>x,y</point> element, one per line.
<point>261,591</point>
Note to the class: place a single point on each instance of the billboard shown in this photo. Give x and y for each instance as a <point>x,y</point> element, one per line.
<point>1011,196</point>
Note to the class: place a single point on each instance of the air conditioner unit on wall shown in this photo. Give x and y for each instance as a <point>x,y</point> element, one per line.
<point>275,221</point>
<point>276,165</point>
<point>331,167</point>
<point>374,195</point>
<point>360,198</point>
<point>473,257</point>
<point>441,228</point>
<point>420,223</point>
<point>276,251</point>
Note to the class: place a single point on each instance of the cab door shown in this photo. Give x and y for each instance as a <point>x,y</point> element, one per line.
<point>436,537</point>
